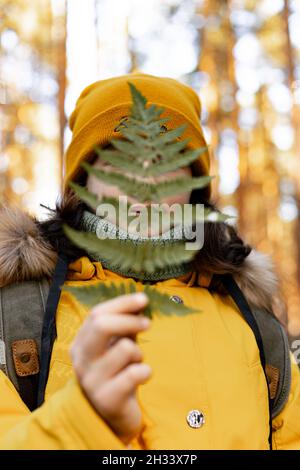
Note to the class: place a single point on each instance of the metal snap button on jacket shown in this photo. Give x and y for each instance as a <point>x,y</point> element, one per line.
<point>176,299</point>
<point>195,419</point>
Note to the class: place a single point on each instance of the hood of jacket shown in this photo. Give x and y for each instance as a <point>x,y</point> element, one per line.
<point>29,248</point>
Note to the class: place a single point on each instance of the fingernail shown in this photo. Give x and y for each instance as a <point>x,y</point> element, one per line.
<point>141,297</point>
<point>145,322</point>
<point>145,370</point>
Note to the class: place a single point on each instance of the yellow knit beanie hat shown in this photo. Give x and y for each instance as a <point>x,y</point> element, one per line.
<point>102,105</point>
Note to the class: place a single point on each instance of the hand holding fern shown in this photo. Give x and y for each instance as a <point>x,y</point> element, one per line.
<point>108,362</point>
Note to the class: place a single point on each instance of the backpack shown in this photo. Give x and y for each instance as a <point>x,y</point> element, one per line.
<point>27,334</point>
<point>28,331</point>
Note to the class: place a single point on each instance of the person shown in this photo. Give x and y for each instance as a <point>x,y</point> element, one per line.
<point>118,380</point>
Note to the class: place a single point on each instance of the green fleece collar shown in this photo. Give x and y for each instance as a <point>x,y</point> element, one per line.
<point>101,227</point>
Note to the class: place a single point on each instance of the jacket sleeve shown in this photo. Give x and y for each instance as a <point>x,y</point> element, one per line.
<point>65,421</point>
<point>286,426</point>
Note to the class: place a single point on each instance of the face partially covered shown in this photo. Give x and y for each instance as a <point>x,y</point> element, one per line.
<point>102,189</point>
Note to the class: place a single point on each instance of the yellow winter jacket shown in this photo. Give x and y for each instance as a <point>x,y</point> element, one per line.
<point>207,361</point>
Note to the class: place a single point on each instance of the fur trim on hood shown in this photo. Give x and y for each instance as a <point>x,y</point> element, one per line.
<point>28,251</point>
<point>257,280</point>
<point>24,253</point>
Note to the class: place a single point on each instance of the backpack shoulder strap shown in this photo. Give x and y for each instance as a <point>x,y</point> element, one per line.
<point>48,330</point>
<point>22,309</point>
<point>273,344</point>
<point>277,354</point>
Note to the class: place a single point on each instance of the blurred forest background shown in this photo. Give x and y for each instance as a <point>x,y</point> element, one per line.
<point>241,56</point>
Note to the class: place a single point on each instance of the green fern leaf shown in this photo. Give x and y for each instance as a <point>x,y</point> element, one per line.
<point>179,185</point>
<point>128,255</point>
<point>179,161</point>
<point>138,102</point>
<point>131,187</point>
<point>169,136</point>
<point>86,196</point>
<point>116,158</point>
<point>160,303</point>
<point>129,148</point>
<point>143,191</point>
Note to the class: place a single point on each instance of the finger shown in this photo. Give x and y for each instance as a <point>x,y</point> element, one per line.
<point>123,353</point>
<point>126,382</point>
<point>94,340</point>
<point>132,303</point>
